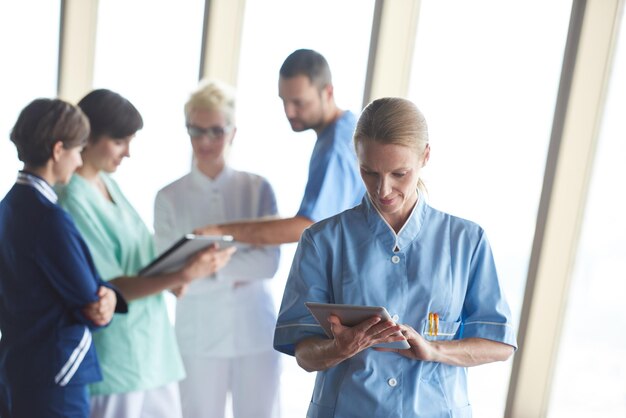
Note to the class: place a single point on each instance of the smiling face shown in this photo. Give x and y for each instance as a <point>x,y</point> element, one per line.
<point>391,140</point>
<point>390,173</point>
<point>107,153</point>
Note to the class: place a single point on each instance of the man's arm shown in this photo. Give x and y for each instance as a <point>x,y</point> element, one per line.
<point>269,232</point>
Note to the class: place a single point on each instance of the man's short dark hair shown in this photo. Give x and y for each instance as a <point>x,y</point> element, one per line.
<point>110,114</point>
<point>309,63</point>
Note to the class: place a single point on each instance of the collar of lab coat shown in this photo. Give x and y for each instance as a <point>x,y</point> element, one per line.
<point>205,182</point>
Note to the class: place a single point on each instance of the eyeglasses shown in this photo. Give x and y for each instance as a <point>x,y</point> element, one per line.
<point>212,132</point>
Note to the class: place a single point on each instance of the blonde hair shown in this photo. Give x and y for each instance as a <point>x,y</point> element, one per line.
<point>213,95</point>
<point>394,120</point>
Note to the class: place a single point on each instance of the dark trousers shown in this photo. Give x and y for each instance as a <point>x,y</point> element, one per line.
<point>47,402</point>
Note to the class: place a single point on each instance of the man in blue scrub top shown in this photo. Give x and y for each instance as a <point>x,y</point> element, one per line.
<point>434,273</point>
<point>333,185</point>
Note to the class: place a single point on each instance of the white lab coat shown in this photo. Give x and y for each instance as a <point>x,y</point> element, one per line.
<point>219,317</point>
<point>225,323</point>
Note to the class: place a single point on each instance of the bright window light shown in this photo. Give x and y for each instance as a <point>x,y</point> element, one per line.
<point>487,86</point>
<point>265,144</point>
<point>29,69</point>
<point>591,366</point>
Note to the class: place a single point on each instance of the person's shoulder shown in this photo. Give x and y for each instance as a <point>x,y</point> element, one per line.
<point>348,118</point>
<point>245,180</point>
<point>345,123</point>
<point>454,222</point>
<point>75,195</point>
<point>247,176</point>
<point>336,222</point>
<point>340,133</point>
<point>64,191</point>
<point>110,182</point>
<point>56,220</point>
<point>173,187</point>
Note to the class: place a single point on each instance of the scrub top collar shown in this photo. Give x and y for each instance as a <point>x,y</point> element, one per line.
<point>38,184</point>
<point>204,181</point>
<point>383,231</point>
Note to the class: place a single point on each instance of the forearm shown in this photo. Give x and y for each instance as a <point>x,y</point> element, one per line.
<point>469,352</point>
<point>315,354</point>
<point>137,287</point>
<point>270,232</point>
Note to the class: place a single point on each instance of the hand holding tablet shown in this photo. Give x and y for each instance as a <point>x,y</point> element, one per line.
<point>351,315</point>
<point>175,257</point>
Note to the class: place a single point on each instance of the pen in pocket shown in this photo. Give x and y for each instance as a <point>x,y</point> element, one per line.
<point>433,324</point>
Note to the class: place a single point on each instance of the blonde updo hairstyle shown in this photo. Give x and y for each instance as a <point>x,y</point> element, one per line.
<point>212,95</point>
<point>394,120</point>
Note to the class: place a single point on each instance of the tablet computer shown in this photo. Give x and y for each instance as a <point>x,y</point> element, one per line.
<point>175,257</point>
<point>351,315</point>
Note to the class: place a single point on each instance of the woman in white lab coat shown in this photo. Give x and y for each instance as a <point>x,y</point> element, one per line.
<point>224,323</point>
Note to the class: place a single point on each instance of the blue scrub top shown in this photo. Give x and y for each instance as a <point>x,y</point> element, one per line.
<point>334,183</point>
<point>437,263</point>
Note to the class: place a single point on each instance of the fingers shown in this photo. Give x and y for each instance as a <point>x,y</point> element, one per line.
<point>222,257</point>
<point>375,325</point>
<point>388,332</point>
<point>206,262</point>
<point>101,311</point>
<point>199,231</point>
<point>408,332</point>
<point>179,291</point>
<point>372,331</point>
<point>208,230</point>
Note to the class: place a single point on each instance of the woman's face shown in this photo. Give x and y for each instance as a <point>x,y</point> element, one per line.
<point>66,162</point>
<point>210,134</point>
<point>390,173</point>
<point>107,153</point>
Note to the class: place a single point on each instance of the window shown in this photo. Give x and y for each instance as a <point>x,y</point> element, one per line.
<point>487,86</point>
<point>591,367</point>
<point>29,69</point>
<point>265,143</point>
<point>153,60</point>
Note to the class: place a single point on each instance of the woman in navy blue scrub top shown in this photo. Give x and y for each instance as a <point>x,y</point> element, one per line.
<point>434,273</point>
<point>51,297</point>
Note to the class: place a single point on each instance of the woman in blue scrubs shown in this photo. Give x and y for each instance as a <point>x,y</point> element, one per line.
<point>433,272</point>
<point>51,296</point>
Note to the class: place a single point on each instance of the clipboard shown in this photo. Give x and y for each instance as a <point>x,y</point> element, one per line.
<point>351,315</point>
<point>175,257</point>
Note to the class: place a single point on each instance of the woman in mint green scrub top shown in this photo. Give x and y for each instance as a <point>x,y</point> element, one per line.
<point>138,352</point>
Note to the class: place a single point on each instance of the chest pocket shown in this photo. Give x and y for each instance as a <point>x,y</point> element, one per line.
<point>439,330</point>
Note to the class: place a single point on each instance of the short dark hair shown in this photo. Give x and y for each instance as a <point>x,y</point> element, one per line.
<point>43,123</point>
<point>110,114</point>
<point>309,63</point>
